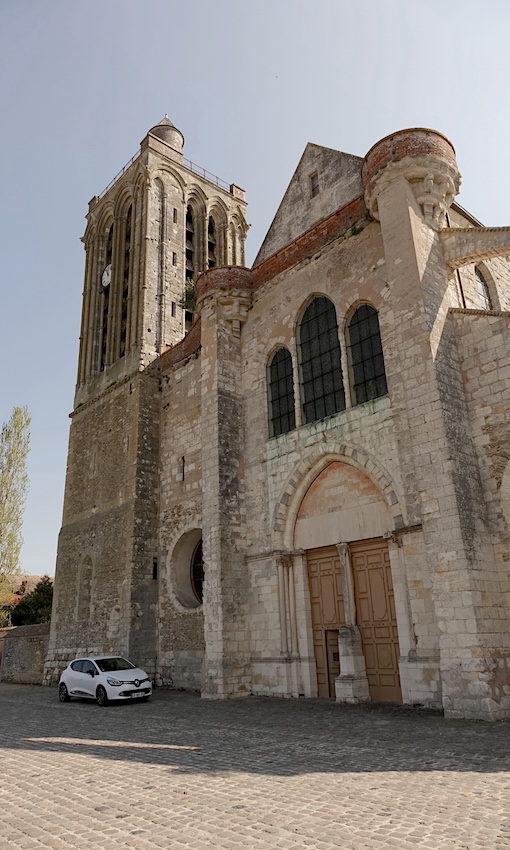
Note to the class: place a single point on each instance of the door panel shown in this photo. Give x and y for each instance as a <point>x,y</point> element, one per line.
<point>375,610</point>
<point>327,614</point>
<point>333,659</point>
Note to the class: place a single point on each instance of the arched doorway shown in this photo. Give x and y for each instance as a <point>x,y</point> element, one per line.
<point>341,524</point>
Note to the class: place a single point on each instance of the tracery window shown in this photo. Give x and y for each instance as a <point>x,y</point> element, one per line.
<point>282,413</point>
<point>366,355</point>
<point>482,289</point>
<point>320,363</point>
<point>197,572</point>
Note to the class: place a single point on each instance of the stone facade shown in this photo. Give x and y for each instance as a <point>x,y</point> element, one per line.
<point>174,443</point>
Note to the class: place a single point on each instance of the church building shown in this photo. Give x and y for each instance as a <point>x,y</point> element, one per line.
<point>293,480</point>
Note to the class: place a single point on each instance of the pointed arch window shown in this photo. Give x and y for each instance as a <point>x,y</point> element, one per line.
<point>366,358</point>
<point>211,243</point>
<point>125,284</point>
<point>320,362</point>
<point>282,413</point>
<point>482,288</point>
<point>106,277</point>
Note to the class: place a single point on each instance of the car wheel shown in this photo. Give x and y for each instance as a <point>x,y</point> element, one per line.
<point>63,693</point>
<point>101,696</point>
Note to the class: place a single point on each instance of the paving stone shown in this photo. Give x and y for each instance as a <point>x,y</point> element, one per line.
<point>254,774</point>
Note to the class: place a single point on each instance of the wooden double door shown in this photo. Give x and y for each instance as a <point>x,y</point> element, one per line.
<point>375,616</point>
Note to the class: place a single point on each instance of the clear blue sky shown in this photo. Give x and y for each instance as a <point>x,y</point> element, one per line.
<point>249,84</point>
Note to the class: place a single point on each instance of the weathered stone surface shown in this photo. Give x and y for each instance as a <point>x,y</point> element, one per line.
<point>170,442</point>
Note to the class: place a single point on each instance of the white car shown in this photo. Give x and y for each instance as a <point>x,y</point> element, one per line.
<point>104,678</point>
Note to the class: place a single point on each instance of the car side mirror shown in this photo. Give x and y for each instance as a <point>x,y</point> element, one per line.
<point>91,673</point>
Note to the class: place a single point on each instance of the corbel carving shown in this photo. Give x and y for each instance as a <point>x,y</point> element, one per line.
<point>234,309</point>
<point>434,183</point>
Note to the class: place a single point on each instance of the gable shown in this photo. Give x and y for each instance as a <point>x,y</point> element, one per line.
<point>339,178</point>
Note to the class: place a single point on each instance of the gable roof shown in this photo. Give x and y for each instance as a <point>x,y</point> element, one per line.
<point>339,176</point>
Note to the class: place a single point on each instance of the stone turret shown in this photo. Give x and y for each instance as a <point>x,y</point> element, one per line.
<point>167,131</point>
<point>426,159</point>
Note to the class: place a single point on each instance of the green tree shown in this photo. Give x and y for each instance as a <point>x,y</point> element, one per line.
<point>35,607</point>
<point>189,296</point>
<point>14,447</point>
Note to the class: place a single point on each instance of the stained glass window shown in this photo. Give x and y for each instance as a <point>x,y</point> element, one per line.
<point>320,363</point>
<point>366,355</point>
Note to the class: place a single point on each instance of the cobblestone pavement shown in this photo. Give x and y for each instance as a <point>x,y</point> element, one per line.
<point>181,772</point>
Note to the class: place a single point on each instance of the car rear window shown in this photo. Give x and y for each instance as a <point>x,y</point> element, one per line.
<point>77,666</point>
<point>109,665</point>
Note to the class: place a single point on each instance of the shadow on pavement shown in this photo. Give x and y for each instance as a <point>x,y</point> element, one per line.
<point>255,735</point>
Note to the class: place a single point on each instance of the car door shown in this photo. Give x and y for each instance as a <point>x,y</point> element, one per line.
<point>88,678</point>
<point>73,677</point>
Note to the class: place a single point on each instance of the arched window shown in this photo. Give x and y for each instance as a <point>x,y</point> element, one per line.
<point>197,572</point>
<point>190,245</point>
<point>282,414</point>
<point>366,356</point>
<point>106,277</point>
<point>125,284</point>
<point>211,243</point>
<point>482,288</point>
<point>319,354</point>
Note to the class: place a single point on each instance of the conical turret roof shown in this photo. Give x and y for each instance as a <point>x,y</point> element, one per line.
<point>169,133</point>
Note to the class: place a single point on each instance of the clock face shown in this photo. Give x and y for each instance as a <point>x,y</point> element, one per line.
<point>106,276</point>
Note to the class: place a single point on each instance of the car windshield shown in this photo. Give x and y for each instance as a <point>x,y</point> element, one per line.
<point>109,665</point>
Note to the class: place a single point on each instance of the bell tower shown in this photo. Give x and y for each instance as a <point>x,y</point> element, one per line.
<point>160,223</point>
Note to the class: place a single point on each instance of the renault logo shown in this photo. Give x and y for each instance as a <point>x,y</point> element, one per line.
<point>137,683</point>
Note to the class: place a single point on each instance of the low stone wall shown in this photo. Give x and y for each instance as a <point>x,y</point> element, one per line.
<point>24,653</point>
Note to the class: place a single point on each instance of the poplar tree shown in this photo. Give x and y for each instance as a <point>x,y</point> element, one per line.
<point>14,447</point>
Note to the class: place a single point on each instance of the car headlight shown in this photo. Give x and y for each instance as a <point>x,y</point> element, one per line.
<point>114,682</point>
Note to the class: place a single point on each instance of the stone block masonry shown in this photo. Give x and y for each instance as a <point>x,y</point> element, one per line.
<point>204,479</point>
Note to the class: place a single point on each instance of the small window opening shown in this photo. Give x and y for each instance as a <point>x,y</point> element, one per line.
<point>154,569</point>
<point>314,184</point>
<point>197,572</point>
<point>175,216</point>
<point>482,289</point>
<point>174,258</point>
<point>174,309</point>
